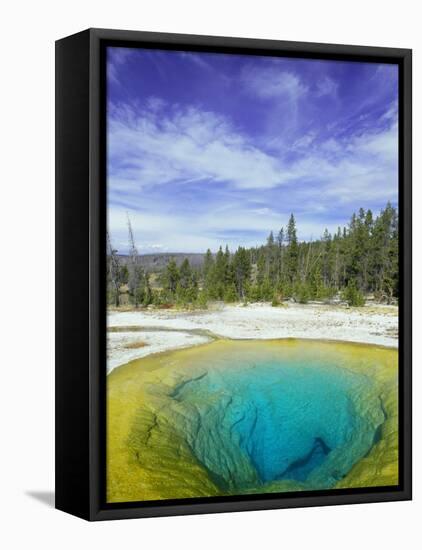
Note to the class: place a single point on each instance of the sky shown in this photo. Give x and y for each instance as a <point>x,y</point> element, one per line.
<point>209,149</point>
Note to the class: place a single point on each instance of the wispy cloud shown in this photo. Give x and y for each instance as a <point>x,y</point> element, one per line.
<point>116,57</point>
<point>150,148</point>
<point>326,87</point>
<point>200,158</point>
<point>239,226</point>
<point>273,83</point>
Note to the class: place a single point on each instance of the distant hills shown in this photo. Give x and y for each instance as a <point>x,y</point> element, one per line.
<point>158,261</point>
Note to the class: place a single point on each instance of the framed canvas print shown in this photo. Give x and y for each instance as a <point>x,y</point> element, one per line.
<point>233,274</point>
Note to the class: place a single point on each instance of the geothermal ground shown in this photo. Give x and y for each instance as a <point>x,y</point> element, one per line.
<point>136,334</point>
<point>237,417</point>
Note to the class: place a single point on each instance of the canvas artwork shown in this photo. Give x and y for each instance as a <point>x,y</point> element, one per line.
<point>252,275</point>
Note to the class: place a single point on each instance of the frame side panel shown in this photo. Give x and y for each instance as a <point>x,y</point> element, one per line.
<point>405,325</point>
<point>260,45</point>
<point>72,270</point>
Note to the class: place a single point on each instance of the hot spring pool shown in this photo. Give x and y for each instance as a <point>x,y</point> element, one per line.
<point>241,417</point>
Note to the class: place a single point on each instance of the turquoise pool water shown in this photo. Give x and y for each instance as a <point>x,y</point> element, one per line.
<point>270,420</point>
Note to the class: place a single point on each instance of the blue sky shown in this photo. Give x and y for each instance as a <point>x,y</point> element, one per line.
<point>208,149</point>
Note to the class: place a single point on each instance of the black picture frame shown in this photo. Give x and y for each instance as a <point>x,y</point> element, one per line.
<point>80,268</point>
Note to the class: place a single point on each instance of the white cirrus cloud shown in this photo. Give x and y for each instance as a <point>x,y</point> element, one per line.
<point>152,148</point>
<point>326,87</point>
<point>161,146</point>
<point>273,82</point>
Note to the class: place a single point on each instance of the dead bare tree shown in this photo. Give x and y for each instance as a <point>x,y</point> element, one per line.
<point>135,270</point>
<point>307,261</point>
<point>114,270</point>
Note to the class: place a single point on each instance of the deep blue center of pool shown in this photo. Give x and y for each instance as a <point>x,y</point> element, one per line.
<point>274,421</point>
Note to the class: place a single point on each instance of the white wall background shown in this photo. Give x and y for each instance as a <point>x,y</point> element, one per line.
<point>29,29</point>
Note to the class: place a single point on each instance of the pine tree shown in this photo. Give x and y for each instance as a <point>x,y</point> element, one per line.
<point>261,269</point>
<point>292,253</point>
<point>280,242</point>
<point>185,274</point>
<point>229,269</point>
<point>124,275</point>
<point>355,260</point>
<point>171,277</point>
<point>327,258</point>
<point>280,238</point>
<point>148,292</point>
<point>220,273</point>
<point>208,271</point>
<point>230,294</point>
<point>208,263</point>
<point>242,271</point>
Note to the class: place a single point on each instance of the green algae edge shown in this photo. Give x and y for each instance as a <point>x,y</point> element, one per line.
<point>147,460</point>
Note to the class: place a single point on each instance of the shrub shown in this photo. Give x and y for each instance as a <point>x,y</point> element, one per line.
<point>253,293</point>
<point>230,294</point>
<point>286,290</point>
<point>353,296</point>
<point>266,290</point>
<point>325,293</point>
<point>160,298</point>
<point>302,293</point>
<point>275,302</point>
<point>201,300</point>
